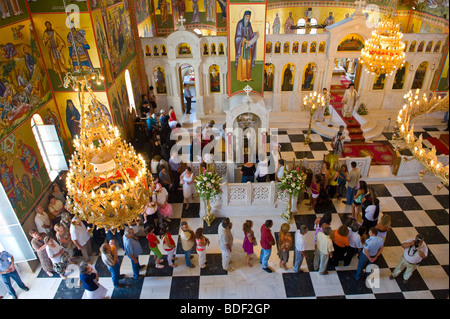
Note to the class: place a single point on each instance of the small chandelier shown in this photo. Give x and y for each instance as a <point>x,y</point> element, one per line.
<point>418,104</point>
<point>107,181</point>
<point>383,52</point>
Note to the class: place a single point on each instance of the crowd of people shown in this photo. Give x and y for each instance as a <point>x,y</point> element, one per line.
<point>61,238</point>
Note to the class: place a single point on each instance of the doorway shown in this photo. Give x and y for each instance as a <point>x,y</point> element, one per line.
<point>187,77</point>
<point>346,71</point>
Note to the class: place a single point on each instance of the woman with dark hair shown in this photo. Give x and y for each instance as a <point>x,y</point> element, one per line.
<point>249,241</point>
<point>187,178</point>
<point>201,242</point>
<point>343,173</point>
<point>168,244</point>
<point>325,174</point>
<point>360,194</point>
<point>315,191</point>
<point>151,97</point>
<point>370,218</point>
<point>89,278</point>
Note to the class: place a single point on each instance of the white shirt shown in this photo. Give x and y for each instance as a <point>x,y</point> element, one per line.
<point>370,211</point>
<point>262,169</point>
<point>411,254</point>
<point>300,241</point>
<point>354,239</point>
<point>53,251</point>
<point>41,220</point>
<point>79,233</point>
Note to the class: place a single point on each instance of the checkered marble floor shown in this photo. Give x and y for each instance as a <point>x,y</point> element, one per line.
<point>413,206</point>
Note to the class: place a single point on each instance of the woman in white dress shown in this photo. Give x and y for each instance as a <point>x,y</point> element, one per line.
<point>187,179</point>
<point>349,100</point>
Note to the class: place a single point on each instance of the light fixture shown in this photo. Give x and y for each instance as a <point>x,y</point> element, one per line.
<point>311,102</point>
<point>417,104</point>
<point>383,52</point>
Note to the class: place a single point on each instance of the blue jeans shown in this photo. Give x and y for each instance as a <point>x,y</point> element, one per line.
<point>351,192</point>
<point>363,261</point>
<point>136,267</point>
<point>298,260</point>
<point>187,257</point>
<point>7,281</point>
<point>115,273</point>
<point>264,257</point>
<point>246,179</point>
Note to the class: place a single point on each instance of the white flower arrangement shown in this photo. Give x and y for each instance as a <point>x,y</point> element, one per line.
<point>293,181</point>
<point>207,184</point>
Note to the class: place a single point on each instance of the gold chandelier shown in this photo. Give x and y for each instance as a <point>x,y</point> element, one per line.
<point>383,52</point>
<point>107,181</point>
<point>418,104</point>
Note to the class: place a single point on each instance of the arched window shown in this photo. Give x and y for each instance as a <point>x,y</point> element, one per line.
<point>313,26</point>
<point>437,47</point>
<point>267,28</point>
<point>49,146</point>
<point>130,91</point>
<point>301,23</point>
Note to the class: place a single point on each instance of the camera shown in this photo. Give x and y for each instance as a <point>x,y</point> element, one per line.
<point>339,134</point>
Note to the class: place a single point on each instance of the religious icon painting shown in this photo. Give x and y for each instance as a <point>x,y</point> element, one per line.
<point>322,47</point>
<point>313,47</point>
<point>184,49</point>
<point>214,78</point>
<point>429,46</point>
<point>420,47</point>
<point>406,46</point>
<point>160,80</point>
<point>277,47</point>
<point>246,25</point>
<point>163,50</point>
<point>378,83</point>
<point>305,47</point>
<point>308,77</point>
<point>295,47</point>
<point>420,76</point>
<point>268,47</point>
<point>412,47</point>
<point>437,47</point>
<point>400,76</point>
<point>148,51</point>
<point>221,49</point>
<point>205,49</point>
<point>155,50</point>
<point>288,77</point>
<point>286,47</point>
<point>213,49</point>
<point>268,77</point>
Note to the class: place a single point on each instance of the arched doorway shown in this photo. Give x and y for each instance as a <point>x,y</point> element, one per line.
<point>187,85</point>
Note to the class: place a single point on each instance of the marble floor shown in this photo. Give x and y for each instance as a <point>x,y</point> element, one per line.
<point>413,206</point>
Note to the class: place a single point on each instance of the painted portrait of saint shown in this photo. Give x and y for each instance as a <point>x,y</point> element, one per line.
<point>55,46</point>
<point>73,118</point>
<point>78,49</point>
<point>245,45</point>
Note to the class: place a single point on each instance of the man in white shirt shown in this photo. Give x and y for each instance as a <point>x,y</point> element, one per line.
<point>42,221</point>
<point>415,250</point>
<point>226,243</point>
<point>261,171</point>
<point>81,238</point>
<point>300,247</point>
<point>355,244</point>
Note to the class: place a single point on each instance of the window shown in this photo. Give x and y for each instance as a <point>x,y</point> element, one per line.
<point>198,31</point>
<point>130,91</point>
<point>12,236</point>
<point>267,27</point>
<point>49,146</point>
<point>301,23</point>
<point>314,26</point>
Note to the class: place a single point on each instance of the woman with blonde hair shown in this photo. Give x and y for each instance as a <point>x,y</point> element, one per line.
<point>249,241</point>
<point>334,176</point>
<point>384,226</point>
<point>284,245</point>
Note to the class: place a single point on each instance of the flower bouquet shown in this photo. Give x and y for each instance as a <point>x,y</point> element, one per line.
<point>362,109</point>
<point>292,183</point>
<point>207,185</point>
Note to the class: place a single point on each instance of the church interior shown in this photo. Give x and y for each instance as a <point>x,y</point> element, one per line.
<point>97,98</point>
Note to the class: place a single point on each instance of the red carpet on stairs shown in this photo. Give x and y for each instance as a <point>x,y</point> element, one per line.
<point>440,146</point>
<point>354,128</point>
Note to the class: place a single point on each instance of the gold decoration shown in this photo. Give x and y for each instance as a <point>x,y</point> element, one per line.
<point>383,52</point>
<point>311,102</point>
<point>418,104</point>
<point>107,181</point>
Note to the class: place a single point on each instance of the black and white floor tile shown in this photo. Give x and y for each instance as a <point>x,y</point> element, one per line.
<point>413,207</point>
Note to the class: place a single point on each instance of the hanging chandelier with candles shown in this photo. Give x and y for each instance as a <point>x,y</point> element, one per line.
<point>107,181</point>
<point>417,104</point>
<point>383,52</point>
